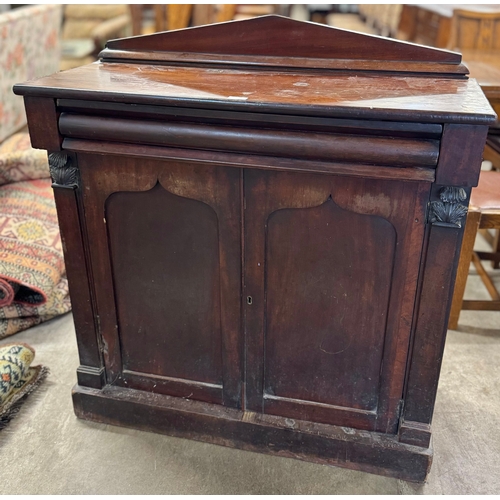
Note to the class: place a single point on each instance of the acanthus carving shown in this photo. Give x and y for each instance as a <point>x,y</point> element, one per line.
<point>449,212</point>
<point>63,171</point>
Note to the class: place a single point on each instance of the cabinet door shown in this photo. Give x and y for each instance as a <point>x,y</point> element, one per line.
<point>165,246</point>
<point>331,266</point>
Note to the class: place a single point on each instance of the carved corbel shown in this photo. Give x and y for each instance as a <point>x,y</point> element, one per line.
<point>63,170</point>
<point>449,212</point>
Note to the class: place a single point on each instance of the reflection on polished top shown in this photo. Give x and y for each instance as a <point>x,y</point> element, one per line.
<point>168,85</point>
<point>351,75</point>
<point>485,68</point>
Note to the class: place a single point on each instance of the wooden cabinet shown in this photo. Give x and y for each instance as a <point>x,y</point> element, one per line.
<point>261,223</point>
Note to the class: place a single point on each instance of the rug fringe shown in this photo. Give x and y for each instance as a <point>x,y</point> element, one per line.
<point>9,414</point>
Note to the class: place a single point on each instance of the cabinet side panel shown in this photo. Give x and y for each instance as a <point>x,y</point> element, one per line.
<point>431,323</point>
<point>165,259</point>
<point>328,276</point>
<point>91,371</point>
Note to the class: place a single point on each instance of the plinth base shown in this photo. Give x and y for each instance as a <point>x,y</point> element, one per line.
<point>320,443</point>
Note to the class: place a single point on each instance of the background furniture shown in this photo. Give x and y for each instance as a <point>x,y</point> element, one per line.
<point>476,35</point>
<point>172,16</point>
<point>484,213</point>
<point>212,13</point>
<point>475,30</point>
<point>264,258</point>
<point>382,19</point>
<point>492,153</point>
<point>248,11</point>
<point>29,48</point>
<point>431,25</point>
<point>87,27</point>
<point>492,148</point>
<point>426,24</point>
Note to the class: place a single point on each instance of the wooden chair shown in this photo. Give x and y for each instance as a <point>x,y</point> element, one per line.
<point>480,31</point>
<point>137,13</point>
<point>212,13</point>
<point>392,19</point>
<point>484,213</point>
<point>475,30</point>
<point>492,148</point>
<point>86,29</point>
<point>172,16</point>
<point>492,154</point>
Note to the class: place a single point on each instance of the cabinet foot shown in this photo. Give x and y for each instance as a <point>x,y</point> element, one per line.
<point>415,433</point>
<point>90,376</point>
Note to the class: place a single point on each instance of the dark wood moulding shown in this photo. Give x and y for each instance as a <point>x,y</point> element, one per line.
<point>251,161</point>
<point>277,42</point>
<point>284,437</point>
<point>288,63</point>
<point>266,120</point>
<point>344,148</point>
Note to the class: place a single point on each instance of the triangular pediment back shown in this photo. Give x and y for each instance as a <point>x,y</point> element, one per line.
<point>275,37</point>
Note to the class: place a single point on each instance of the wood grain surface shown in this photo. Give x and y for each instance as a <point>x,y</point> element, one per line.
<point>250,233</point>
<point>334,95</point>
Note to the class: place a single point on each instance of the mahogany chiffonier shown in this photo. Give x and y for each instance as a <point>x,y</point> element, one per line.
<point>261,221</point>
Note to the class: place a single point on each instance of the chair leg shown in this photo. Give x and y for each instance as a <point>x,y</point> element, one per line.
<point>470,231</point>
<point>490,238</point>
<point>494,241</point>
<point>496,248</point>
<point>485,278</point>
<point>136,14</point>
<point>493,156</point>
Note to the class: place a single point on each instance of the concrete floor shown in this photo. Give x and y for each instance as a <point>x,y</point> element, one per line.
<point>47,450</point>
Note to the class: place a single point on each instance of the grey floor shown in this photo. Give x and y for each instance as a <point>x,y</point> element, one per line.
<point>46,450</point>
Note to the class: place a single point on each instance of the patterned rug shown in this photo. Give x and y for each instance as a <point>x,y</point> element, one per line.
<point>17,378</point>
<point>33,284</point>
<point>20,162</point>
<point>31,261</point>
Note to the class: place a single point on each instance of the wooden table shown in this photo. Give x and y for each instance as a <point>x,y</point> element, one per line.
<point>484,66</point>
<point>261,223</point>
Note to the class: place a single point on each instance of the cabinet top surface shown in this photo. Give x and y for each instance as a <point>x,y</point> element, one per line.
<point>277,65</point>
<point>267,91</point>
